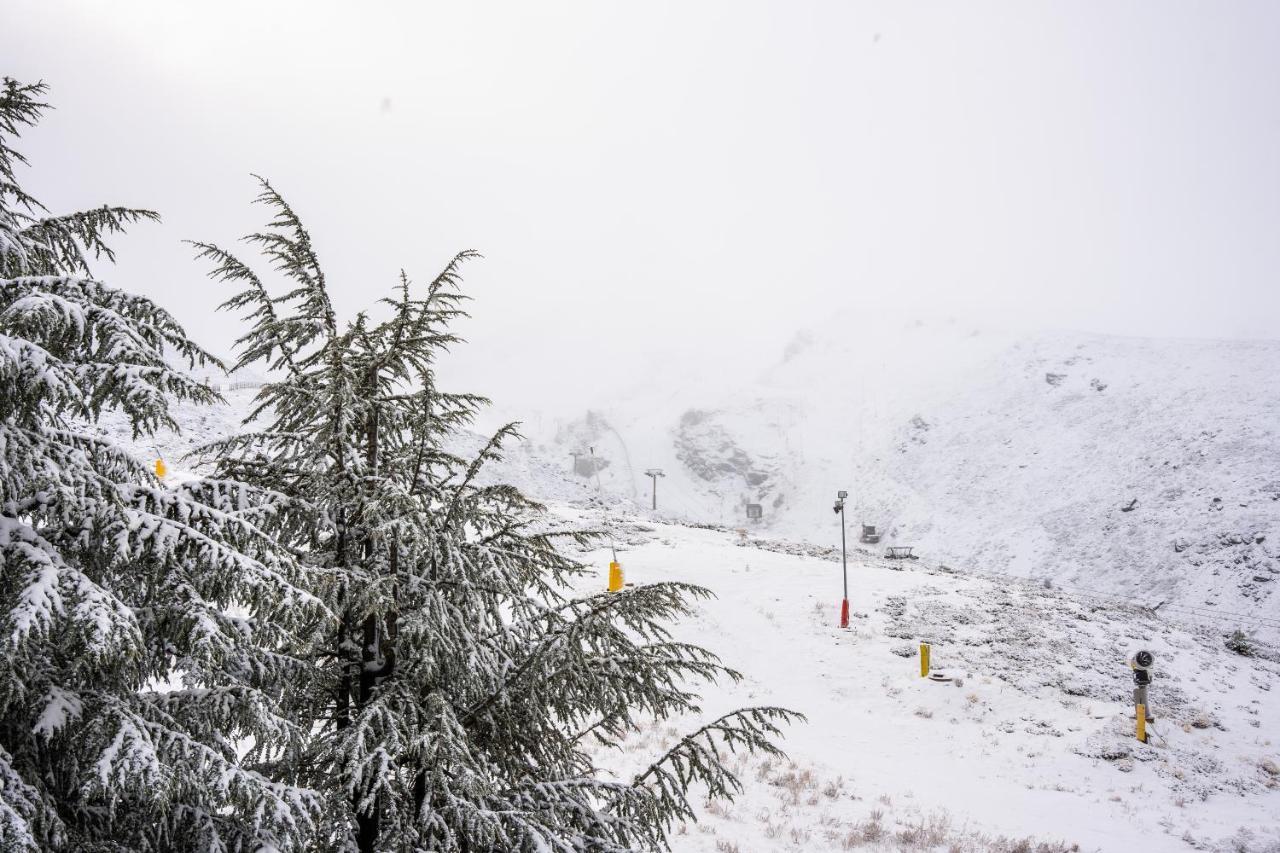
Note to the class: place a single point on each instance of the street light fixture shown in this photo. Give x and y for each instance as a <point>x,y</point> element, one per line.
<point>844,559</point>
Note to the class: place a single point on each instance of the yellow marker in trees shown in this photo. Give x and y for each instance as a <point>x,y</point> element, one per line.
<point>615,576</point>
<point>160,469</point>
<point>924,660</point>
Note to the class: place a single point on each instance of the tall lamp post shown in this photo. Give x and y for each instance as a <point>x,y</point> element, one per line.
<point>844,560</point>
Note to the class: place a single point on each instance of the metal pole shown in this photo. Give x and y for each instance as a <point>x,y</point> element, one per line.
<point>844,554</point>
<point>654,474</point>
<point>844,559</point>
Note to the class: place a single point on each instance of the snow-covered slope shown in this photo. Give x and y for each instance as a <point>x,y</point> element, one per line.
<point>1031,748</point>
<point>1134,467</point>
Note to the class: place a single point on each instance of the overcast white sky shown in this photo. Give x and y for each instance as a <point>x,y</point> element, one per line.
<point>686,180</point>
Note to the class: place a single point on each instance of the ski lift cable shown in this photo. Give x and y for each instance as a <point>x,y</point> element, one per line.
<point>676,494</point>
<point>1188,608</point>
<point>1201,613</point>
<point>673,497</point>
<point>1106,598</point>
<point>1198,613</point>
<point>683,498</point>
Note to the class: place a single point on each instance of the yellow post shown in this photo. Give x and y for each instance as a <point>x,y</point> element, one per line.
<point>160,469</point>
<point>924,660</point>
<point>615,576</point>
<point>1142,723</point>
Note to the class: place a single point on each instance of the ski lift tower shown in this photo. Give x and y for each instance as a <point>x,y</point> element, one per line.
<point>654,474</point>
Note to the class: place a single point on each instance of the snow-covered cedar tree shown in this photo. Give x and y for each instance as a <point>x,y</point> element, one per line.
<point>465,682</point>
<point>140,678</point>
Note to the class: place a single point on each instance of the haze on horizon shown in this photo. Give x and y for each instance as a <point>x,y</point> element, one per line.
<point>685,185</point>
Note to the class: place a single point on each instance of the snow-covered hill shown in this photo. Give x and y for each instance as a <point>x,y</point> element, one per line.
<point>1133,467</point>
<point>1029,748</point>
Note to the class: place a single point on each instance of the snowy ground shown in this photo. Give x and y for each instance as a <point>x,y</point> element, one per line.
<point>1030,750</point>
<point>1034,742</point>
<point>1135,467</point>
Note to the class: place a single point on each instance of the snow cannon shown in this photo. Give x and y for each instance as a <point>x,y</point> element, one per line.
<point>1141,662</point>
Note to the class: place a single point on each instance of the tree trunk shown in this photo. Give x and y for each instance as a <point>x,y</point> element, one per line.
<point>342,696</point>
<point>368,824</point>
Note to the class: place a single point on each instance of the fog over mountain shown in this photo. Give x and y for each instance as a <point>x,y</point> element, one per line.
<point>683,185</point>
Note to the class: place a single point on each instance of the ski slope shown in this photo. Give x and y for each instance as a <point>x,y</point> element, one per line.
<point>1138,468</point>
<point>1032,748</point>
<point>1034,744</point>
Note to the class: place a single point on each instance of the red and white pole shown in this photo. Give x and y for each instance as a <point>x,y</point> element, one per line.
<point>844,562</point>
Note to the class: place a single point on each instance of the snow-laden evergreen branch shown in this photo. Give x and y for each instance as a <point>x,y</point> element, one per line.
<point>64,242</point>
<point>698,759</point>
<point>29,242</point>
<point>148,674</point>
